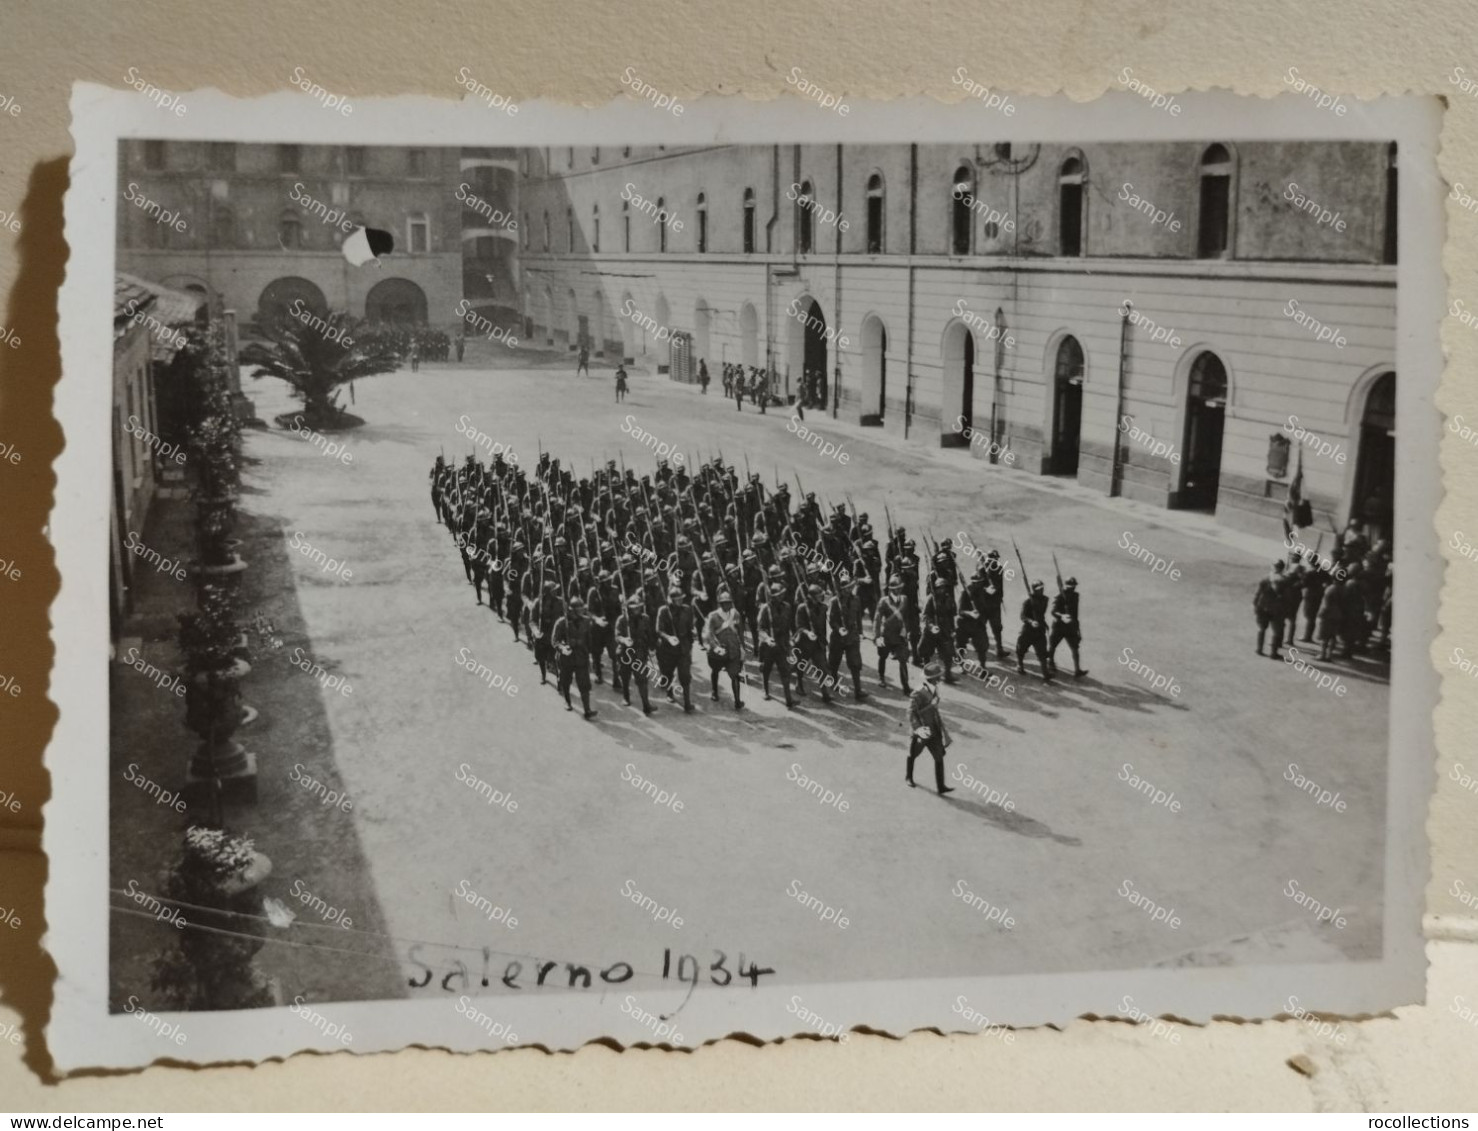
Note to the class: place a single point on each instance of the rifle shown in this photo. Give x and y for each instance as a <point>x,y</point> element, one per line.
<point>1058,569</point>
<point>1024,579</point>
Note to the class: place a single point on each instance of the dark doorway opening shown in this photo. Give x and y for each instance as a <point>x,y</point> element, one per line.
<point>1205,418</point>
<point>1067,409</point>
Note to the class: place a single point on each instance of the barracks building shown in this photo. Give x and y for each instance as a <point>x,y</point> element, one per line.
<point>259,226</point>
<point>1187,323</point>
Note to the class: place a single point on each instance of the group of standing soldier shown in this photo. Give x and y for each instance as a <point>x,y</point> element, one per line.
<point>633,570</point>
<point>1345,599</point>
<point>741,383</point>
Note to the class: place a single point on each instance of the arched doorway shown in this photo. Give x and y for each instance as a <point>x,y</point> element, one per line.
<point>577,328</point>
<point>1375,463</point>
<point>702,318</point>
<point>627,326</point>
<point>397,301</point>
<point>278,296</point>
<point>548,316</point>
<point>957,405</point>
<point>749,335</point>
<point>807,354</point>
<point>1067,407</point>
<point>1205,418</point>
<point>874,370</point>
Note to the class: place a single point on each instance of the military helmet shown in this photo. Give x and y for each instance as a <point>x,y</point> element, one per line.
<point>634,601</point>
<point>1070,583</point>
<point>774,571</point>
<point>934,670</point>
<point>723,595</point>
<point>576,604</point>
<point>1037,586</point>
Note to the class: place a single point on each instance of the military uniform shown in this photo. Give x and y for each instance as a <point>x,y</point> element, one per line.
<point>674,628</point>
<point>774,637</point>
<point>571,639</point>
<point>844,637</point>
<point>1033,634</point>
<point>891,635</point>
<point>1268,605</point>
<point>634,637</point>
<point>723,635</point>
<point>926,728</point>
<point>1066,626</point>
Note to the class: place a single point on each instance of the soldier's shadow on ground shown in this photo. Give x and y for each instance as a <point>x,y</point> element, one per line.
<point>1012,822</point>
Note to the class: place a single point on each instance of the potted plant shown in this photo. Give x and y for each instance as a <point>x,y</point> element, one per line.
<point>210,639</point>
<point>216,878</point>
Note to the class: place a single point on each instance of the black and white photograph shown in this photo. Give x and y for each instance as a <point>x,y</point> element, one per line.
<point>658,572</point>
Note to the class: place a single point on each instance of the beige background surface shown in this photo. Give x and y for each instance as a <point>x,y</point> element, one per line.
<point>1422,1059</point>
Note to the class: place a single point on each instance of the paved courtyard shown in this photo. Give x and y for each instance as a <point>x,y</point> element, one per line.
<point>901,865</point>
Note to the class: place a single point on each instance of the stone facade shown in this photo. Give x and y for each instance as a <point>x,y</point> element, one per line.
<point>1145,317</point>
<point>262,224</point>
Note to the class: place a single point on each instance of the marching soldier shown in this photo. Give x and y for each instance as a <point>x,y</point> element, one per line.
<point>675,644</point>
<point>635,636</point>
<point>970,627</point>
<point>1033,633</point>
<point>774,640</point>
<point>571,637</point>
<point>890,634</point>
<point>724,638</point>
<point>844,635</point>
<point>939,629</point>
<point>605,606</point>
<point>515,578</point>
<point>989,598</point>
<point>547,612</point>
<point>927,729</point>
<point>1065,626</point>
<point>810,644</point>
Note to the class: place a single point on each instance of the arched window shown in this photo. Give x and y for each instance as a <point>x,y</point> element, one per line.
<point>661,223</point>
<point>595,156</point>
<point>1388,251</point>
<point>546,231</point>
<point>595,229</point>
<point>1070,201</point>
<point>702,222</point>
<point>803,219</point>
<point>962,199</point>
<point>875,214</point>
<point>749,221</point>
<point>570,230</point>
<point>1213,239</point>
<point>626,151</point>
<point>626,225</point>
<point>290,230</point>
<point>570,157</point>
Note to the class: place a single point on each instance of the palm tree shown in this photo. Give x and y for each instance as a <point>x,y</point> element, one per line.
<point>315,362</point>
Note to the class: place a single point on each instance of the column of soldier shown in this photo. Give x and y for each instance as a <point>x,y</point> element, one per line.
<point>612,567</point>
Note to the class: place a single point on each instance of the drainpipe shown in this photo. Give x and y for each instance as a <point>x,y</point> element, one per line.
<point>913,212</point>
<point>1115,476</point>
<point>770,243</point>
<point>836,379</point>
<point>995,397</point>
